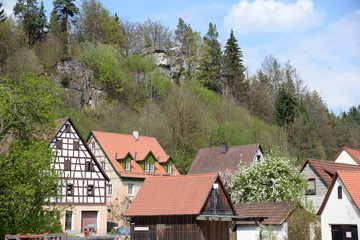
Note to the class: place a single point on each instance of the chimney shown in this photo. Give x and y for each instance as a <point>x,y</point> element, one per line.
<point>223,148</point>
<point>136,135</point>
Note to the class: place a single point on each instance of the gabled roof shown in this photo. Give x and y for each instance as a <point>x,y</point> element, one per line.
<point>117,146</point>
<point>60,123</point>
<point>327,170</point>
<point>354,153</point>
<point>179,195</point>
<point>212,160</point>
<point>273,212</point>
<point>351,180</point>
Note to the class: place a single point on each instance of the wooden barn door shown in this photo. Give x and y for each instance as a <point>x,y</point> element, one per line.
<point>344,232</point>
<point>88,217</point>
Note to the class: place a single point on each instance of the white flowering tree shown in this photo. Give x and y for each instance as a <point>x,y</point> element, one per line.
<point>271,180</point>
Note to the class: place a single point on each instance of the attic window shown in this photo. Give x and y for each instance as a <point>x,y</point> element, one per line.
<point>89,167</point>
<point>311,187</point>
<point>258,158</point>
<point>93,145</point>
<point>339,192</point>
<point>76,145</point>
<point>169,168</point>
<point>127,166</point>
<point>68,128</point>
<point>151,167</point>
<point>67,164</point>
<point>146,168</point>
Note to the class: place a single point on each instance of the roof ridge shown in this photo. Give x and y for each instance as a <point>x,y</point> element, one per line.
<point>127,134</point>
<point>194,175</point>
<point>351,148</point>
<point>232,146</point>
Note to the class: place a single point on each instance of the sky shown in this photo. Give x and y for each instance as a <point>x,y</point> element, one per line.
<point>321,38</point>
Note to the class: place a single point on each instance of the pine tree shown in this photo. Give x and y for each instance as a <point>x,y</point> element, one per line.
<point>234,69</point>
<point>65,10</point>
<point>285,107</point>
<point>2,14</point>
<point>32,19</point>
<point>213,66</point>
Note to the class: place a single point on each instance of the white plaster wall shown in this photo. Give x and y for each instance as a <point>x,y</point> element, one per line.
<point>345,157</point>
<point>251,232</point>
<point>339,211</point>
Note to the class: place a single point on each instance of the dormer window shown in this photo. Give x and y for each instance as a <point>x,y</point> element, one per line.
<point>127,166</point>
<point>169,168</point>
<point>339,192</point>
<point>151,167</point>
<point>146,167</point>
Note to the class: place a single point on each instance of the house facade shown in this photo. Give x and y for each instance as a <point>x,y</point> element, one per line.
<point>275,216</point>
<point>224,158</point>
<point>319,175</point>
<point>128,160</point>
<point>182,207</point>
<point>348,156</point>
<point>340,210</point>
<point>83,182</point>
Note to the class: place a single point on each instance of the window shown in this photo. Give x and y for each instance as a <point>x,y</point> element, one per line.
<point>68,217</point>
<point>258,158</point>
<point>68,128</point>
<point>67,164</point>
<point>127,166</point>
<point>169,168</point>
<point>58,143</point>
<point>102,165</point>
<point>89,167</point>
<point>146,167</point>
<point>93,145</point>
<point>151,167</point>
<point>311,187</point>
<point>76,145</point>
<point>339,192</point>
<point>69,189</point>
<point>90,190</point>
<point>109,189</point>
<point>130,189</point>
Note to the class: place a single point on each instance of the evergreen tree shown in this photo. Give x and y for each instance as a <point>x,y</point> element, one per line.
<point>213,65</point>
<point>234,69</point>
<point>285,107</point>
<point>32,19</point>
<point>2,14</point>
<point>65,10</point>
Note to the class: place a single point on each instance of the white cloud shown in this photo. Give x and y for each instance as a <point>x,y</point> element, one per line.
<point>8,6</point>
<point>272,16</point>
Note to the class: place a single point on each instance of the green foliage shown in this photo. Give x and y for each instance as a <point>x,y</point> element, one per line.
<point>271,180</point>
<point>285,107</point>
<point>27,179</point>
<point>8,40</point>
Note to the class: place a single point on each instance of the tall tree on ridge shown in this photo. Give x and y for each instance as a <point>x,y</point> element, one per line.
<point>234,69</point>
<point>65,10</point>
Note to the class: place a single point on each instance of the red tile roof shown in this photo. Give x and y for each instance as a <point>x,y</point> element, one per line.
<point>209,160</point>
<point>119,145</point>
<point>354,153</point>
<point>274,212</point>
<point>179,195</point>
<point>327,170</point>
<point>351,180</point>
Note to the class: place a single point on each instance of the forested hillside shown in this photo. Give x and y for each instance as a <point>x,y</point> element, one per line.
<point>212,99</point>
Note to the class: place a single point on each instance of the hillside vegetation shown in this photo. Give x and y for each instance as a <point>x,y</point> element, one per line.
<point>211,100</point>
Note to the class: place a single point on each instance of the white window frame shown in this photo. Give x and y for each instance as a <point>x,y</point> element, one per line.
<point>146,168</point>
<point>109,189</point>
<point>130,189</point>
<point>102,165</point>
<point>169,170</point>
<point>152,167</point>
<point>127,166</point>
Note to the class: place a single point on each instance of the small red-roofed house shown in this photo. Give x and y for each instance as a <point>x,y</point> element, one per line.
<point>182,207</point>
<point>223,158</point>
<point>128,159</point>
<point>275,216</point>
<point>340,210</point>
<point>319,174</point>
<point>348,156</point>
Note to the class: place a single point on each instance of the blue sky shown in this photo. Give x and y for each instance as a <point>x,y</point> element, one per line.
<point>321,38</point>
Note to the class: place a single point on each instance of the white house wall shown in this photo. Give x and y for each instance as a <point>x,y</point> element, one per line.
<point>251,232</point>
<point>339,211</point>
<point>344,157</point>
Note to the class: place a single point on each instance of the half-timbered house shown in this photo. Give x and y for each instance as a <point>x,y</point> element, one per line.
<point>182,207</point>
<point>83,181</point>
<point>128,159</point>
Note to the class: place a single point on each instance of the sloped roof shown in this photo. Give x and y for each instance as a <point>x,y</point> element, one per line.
<point>210,160</point>
<point>327,170</point>
<point>273,212</point>
<point>351,180</point>
<point>116,145</point>
<point>179,195</point>
<point>60,122</point>
<point>354,153</point>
